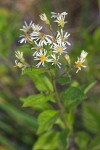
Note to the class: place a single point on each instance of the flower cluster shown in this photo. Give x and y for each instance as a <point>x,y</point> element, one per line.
<point>48,48</point>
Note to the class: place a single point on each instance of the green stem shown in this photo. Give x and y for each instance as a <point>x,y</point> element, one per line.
<point>50,28</point>
<point>60,105</point>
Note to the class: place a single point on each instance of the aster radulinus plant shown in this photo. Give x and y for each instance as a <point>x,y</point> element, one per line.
<point>52,66</point>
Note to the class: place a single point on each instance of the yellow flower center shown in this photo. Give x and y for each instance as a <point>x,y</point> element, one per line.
<point>62,22</point>
<point>42,36</point>
<point>54,40</point>
<point>26,36</point>
<point>43,58</point>
<point>55,62</point>
<point>59,49</point>
<point>79,64</point>
<point>29,30</point>
<point>62,38</point>
<point>38,48</point>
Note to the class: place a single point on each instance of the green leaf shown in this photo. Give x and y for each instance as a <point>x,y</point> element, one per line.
<point>41,82</point>
<point>89,86</point>
<point>64,80</point>
<point>37,101</point>
<point>34,71</point>
<point>64,134</point>
<point>47,141</point>
<point>95,143</point>
<point>91,118</point>
<point>70,119</point>
<point>82,139</point>
<point>46,120</point>
<point>72,96</point>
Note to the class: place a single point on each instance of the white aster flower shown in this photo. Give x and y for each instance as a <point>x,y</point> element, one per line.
<point>59,47</point>
<point>80,62</point>
<point>44,18</point>
<point>55,15</point>
<point>63,37</point>
<point>25,37</point>
<point>26,27</point>
<point>54,40</point>
<point>36,27</point>
<point>61,20</point>
<point>37,48</point>
<point>41,38</point>
<point>42,58</point>
<point>55,60</point>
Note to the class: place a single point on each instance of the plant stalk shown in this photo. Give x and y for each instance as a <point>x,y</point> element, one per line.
<point>60,105</point>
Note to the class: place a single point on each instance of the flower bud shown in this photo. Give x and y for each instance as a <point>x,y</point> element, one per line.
<point>67,58</point>
<point>44,18</point>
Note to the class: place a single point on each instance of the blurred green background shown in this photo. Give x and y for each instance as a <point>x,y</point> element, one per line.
<point>18,125</point>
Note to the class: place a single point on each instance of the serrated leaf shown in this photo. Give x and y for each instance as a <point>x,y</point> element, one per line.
<point>46,120</point>
<point>91,118</point>
<point>72,96</point>
<point>36,101</point>
<point>64,80</point>
<point>47,141</point>
<point>41,82</point>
